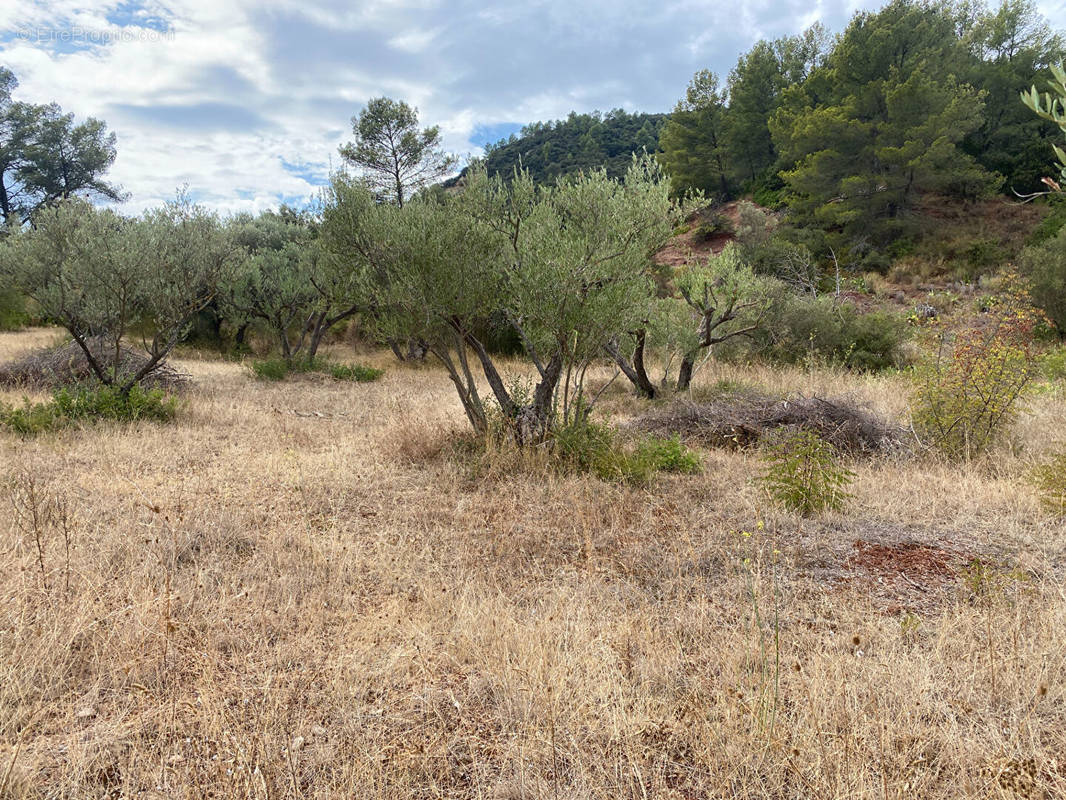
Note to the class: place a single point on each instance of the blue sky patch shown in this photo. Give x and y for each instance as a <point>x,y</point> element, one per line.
<point>490,134</point>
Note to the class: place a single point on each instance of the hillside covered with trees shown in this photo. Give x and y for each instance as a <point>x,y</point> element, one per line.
<point>847,132</point>
<point>579,142</point>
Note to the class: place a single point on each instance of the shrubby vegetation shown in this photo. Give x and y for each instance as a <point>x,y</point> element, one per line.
<point>824,330</point>
<point>1044,264</point>
<point>12,310</point>
<point>277,369</point>
<point>69,406</point>
<point>968,390</point>
<point>105,277</point>
<point>803,473</point>
<point>584,445</point>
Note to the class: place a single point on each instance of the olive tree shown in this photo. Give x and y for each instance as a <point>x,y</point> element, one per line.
<point>288,281</point>
<point>565,266</point>
<point>105,277</point>
<point>708,302</point>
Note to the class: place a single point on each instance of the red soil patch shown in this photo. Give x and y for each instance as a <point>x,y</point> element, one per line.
<point>685,246</point>
<point>910,558</point>
<point>905,576</point>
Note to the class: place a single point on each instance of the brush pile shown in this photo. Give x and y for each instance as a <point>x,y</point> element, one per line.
<point>743,420</point>
<point>66,365</point>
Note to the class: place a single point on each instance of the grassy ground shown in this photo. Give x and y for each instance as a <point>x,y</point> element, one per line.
<point>295,591</point>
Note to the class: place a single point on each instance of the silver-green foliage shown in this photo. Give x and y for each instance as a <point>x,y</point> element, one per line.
<point>107,277</point>
<point>1051,105</point>
<point>565,266</point>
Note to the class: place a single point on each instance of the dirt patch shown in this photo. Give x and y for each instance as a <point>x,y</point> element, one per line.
<point>905,576</point>
<point>909,558</point>
<point>687,246</point>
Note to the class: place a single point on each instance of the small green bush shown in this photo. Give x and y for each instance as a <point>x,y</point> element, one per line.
<point>669,455</point>
<point>979,257</point>
<point>1053,364</point>
<point>715,225</point>
<point>271,369</point>
<point>68,406</point>
<point>12,310</point>
<point>354,372</point>
<point>1050,225</point>
<point>768,198</point>
<point>1050,480</point>
<point>802,473</point>
<point>586,446</point>
<point>1044,265</point>
<point>277,369</point>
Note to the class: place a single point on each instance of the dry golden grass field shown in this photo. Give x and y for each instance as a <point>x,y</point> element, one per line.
<point>304,590</point>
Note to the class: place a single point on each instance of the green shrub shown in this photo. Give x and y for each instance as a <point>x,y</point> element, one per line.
<point>30,419</point>
<point>1044,265</point>
<point>587,446</point>
<point>68,406</point>
<point>1050,480</point>
<point>277,369</point>
<point>968,391</point>
<point>802,473</point>
<point>768,198</point>
<point>1053,364</point>
<point>354,372</point>
<point>714,225</point>
<point>1051,224</point>
<point>669,455</point>
<point>803,329</point>
<point>12,310</point>
<point>271,369</point>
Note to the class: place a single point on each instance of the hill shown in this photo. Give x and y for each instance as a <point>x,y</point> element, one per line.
<point>581,141</point>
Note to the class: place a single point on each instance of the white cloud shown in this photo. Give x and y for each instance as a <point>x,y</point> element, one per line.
<point>413,41</point>
<point>223,94</point>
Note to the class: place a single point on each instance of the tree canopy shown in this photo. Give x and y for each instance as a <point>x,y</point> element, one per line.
<point>46,156</point>
<point>914,98</point>
<point>393,155</point>
<point>550,150</point>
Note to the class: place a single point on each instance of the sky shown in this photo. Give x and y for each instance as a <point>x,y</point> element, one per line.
<point>244,103</point>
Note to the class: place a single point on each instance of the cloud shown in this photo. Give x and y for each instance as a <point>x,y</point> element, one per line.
<point>195,117</point>
<point>247,101</point>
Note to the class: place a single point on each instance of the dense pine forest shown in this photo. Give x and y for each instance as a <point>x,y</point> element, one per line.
<point>579,142</point>
<point>846,132</point>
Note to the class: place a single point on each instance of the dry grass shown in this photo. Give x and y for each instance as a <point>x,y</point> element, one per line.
<point>267,604</point>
